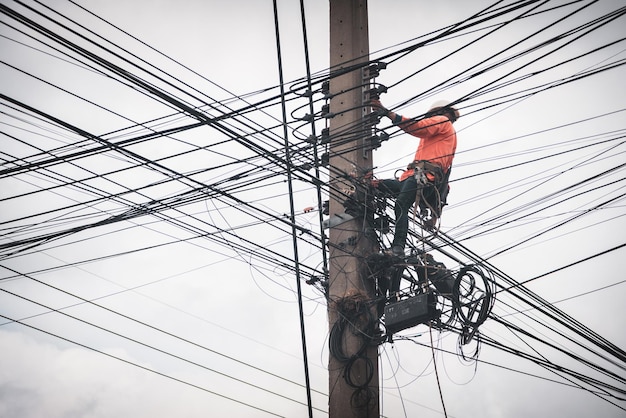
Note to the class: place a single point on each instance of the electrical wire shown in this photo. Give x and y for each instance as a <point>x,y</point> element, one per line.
<point>283,165</point>
<point>292,217</point>
<point>139,366</point>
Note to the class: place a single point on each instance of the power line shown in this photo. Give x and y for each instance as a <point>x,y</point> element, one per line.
<point>138,365</point>
<point>240,180</point>
<point>144,324</point>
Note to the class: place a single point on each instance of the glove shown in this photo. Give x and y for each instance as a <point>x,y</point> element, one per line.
<point>378,106</point>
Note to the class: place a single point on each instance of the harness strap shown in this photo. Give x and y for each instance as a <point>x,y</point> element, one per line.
<point>421,168</point>
<point>428,167</point>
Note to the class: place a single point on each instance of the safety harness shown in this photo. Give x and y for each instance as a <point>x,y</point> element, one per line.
<point>428,174</point>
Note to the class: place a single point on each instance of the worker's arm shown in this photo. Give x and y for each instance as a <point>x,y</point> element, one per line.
<point>419,128</point>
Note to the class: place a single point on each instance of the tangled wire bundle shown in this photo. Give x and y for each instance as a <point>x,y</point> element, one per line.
<point>355,316</point>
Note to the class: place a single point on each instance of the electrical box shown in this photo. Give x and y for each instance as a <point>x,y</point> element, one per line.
<point>410,312</point>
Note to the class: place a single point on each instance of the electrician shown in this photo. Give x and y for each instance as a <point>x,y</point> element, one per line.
<point>428,172</point>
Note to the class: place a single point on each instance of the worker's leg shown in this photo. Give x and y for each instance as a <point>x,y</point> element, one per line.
<point>404,202</point>
<point>390,186</point>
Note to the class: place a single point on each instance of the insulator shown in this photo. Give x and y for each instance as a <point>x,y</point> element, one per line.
<point>374,117</point>
<point>325,139</point>
<point>374,69</point>
<point>374,142</point>
<point>375,92</point>
<point>326,111</point>
<point>324,160</point>
<point>326,87</point>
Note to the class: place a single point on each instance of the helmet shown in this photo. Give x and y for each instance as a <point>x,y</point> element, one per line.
<point>444,104</point>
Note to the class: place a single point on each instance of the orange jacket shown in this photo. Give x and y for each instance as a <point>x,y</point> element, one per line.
<point>437,141</point>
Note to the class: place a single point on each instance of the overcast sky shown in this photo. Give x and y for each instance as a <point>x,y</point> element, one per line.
<point>191,310</point>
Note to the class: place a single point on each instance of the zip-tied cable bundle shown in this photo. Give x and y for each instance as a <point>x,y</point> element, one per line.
<point>466,297</point>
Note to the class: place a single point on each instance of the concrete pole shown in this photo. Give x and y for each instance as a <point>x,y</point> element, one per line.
<point>353,384</point>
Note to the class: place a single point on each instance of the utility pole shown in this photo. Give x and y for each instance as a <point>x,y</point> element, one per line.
<point>353,359</point>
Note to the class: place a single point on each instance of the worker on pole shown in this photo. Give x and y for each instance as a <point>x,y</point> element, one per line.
<point>425,181</point>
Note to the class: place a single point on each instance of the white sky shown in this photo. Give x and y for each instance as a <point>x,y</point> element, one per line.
<point>221,322</point>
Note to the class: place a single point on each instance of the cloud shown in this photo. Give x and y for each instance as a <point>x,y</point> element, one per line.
<point>40,379</point>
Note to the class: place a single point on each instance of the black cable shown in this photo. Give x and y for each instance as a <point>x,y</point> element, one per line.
<point>541,362</point>
<point>142,323</point>
<point>287,166</point>
<point>142,84</point>
<point>150,346</point>
<point>161,167</point>
<point>545,307</point>
<point>137,365</point>
<point>292,213</point>
<point>567,189</point>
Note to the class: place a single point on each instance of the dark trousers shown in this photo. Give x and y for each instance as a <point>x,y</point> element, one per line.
<point>404,193</point>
